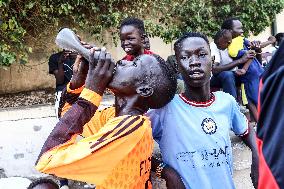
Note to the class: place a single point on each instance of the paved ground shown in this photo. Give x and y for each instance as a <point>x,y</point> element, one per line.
<point>23,131</point>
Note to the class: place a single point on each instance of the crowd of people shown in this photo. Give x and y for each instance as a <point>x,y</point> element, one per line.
<point>191,124</point>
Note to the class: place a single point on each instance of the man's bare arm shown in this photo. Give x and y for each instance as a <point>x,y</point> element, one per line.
<point>220,68</point>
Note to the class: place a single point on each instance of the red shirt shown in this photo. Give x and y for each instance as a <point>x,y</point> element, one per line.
<point>131,57</point>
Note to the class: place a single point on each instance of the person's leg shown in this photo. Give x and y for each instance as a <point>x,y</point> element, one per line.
<point>228,82</point>
<point>252,95</point>
<point>252,108</point>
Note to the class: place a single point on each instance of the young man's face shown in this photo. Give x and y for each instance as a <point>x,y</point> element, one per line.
<point>131,40</point>
<point>129,74</point>
<point>237,28</point>
<point>223,42</point>
<point>194,61</point>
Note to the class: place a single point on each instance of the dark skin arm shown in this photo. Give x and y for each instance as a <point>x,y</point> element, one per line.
<point>250,141</point>
<point>217,68</point>
<point>80,71</point>
<point>247,64</point>
<point>244,70</point>
<point>257,46</point>
<point>172,178</point>
<point>72,122</point>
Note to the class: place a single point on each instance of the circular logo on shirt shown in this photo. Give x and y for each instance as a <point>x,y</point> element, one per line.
<point>209,126</point>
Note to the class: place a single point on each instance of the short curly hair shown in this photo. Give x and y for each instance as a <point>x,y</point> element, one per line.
<point>164,83</point>
<point>189,35</point>
<point>136,22</point>
<point>228,23</point>
<point>221,33</point>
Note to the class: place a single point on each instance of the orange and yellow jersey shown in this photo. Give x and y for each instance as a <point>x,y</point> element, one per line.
<point>115,154</point>
<point>100,118</point>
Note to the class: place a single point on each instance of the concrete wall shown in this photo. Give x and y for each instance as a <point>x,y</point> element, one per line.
<point>34,75</point>
<point>279,22</point>
<point>19,78</point>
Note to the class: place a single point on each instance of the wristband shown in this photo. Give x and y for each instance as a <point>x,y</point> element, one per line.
<point>74,91</point>
<point>160,169</point>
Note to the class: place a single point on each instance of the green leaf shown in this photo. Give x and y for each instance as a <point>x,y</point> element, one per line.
<point>11,24</point>
<point>36,22</point>
<point>30,5</point>
<point>4,26</point>
<point>30,50</point>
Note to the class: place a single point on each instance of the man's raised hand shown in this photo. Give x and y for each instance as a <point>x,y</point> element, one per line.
<point>80,70</point>
<point>100,71</point>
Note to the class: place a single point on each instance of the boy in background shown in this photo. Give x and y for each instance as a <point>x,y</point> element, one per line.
<point>61,66</point>
<point>132,36</point>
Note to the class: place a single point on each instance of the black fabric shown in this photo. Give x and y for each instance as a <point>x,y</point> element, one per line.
<point>275,63</point>
<point>67,67</point>
<point>271,120</point>
<point>53,62</point>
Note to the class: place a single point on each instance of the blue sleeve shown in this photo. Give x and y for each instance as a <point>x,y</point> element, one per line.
<point>241,53</point>
<point>239,121</point>
<point>155,117</point>
<point>246,43</point>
